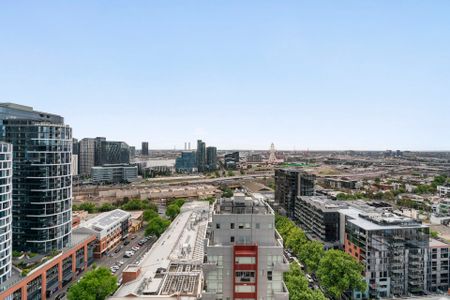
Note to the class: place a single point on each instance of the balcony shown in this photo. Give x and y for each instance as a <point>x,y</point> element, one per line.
<point>281,295</point>
<point>281,266</point>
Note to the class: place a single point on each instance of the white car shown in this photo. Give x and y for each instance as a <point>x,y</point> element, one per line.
<point>135,248</point>
<point>120,263</point>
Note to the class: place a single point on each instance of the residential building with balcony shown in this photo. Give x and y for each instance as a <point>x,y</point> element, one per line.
<point>393,249</point>
<point>244,253</point>
<point>319,216</point>
<point>289,184</point>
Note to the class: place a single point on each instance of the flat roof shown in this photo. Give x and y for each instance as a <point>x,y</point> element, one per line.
<point>106,220</point>
<point>181,245</point>
<point>368,220</point>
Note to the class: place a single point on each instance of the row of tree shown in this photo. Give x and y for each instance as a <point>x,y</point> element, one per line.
<point>337,271</point>
<point>95,285</point>
<point>125,204</point>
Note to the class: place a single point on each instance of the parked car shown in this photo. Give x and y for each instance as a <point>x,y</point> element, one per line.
<point>60,296</point>
<point>126,242</point>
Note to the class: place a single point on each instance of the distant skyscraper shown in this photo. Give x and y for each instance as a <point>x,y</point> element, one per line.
<point>98,150</point>
<point>201,156</point>
<point>144,150</point>
<point>42,177</point>
<point>211,158</point>
<point>5,211</point>
<point>231,160</point>
<point>132,152</point>
<point>186,163</point>
<point>86,157</point>
<point>113,153</point>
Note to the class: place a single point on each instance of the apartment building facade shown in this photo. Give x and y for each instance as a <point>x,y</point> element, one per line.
<point>243,252</point>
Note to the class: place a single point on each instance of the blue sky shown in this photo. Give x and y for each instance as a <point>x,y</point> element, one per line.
<point>238,74</point>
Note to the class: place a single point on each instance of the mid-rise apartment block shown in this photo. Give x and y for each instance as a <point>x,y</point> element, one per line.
<point>439,267</point>
<point>319,217</point>
<point>244,253</point>
<point>291,183</point>
<point>393,249</point>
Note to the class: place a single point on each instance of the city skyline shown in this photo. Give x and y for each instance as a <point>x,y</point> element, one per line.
<point>317,76</point>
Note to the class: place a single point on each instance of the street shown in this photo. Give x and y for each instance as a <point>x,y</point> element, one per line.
<point>112,258</point>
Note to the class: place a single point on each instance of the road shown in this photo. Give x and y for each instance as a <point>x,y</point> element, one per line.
<point>111,259</point>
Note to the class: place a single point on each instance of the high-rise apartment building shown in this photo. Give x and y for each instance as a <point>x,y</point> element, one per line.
<point>5,211</point>
<point>244,253</point>
<point>201,156</point>
<point>211,158</point>
<point>291,183</point>
<point>42,177</point>
<point>144,150</point>
<point>86,157</point>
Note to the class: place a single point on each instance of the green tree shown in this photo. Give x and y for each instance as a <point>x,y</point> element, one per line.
<point>230,173</point>
<point>297,285</point>
<point>310,254</point>
<point>95,285</point>
<point>172,211</point>
<point>136,204</point>
<point>156,226</point>
<point>338,272</point>
<point>106,207</point>
<point>227,192</point>
<point>149,214</point>
<point>87,206</point>
<point>295,239</point>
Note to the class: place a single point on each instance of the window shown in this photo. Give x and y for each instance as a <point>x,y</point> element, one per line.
<point>241,226</point>
<point>232,225</point>
<point>217,225</point>
<point>257,225</point>
<point>245,260</point>
<point>269,275</point>
<point>231,239</point>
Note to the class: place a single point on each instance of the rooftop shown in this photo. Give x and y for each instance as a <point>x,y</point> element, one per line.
<point>242,204</point>
<point>379,219</point>
<point>106,220</point>
<point>324,203</point>
<point>173,264</point>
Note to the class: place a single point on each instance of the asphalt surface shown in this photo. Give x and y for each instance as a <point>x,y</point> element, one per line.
<point>112,258</point>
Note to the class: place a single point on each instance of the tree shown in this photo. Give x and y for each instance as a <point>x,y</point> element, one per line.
<point>310,254</point>
<point>149,214</point>
<point>156,226</point>
<point>172,211</point>
<point>95,285</point>
<point>136,204</point>
<point>227,192</point>
<point>87,206</point>
<point>295,239</point>
<point>297,285</point>
<point>338,272</point>
<point>230,173</point>
<point>106,207</point>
